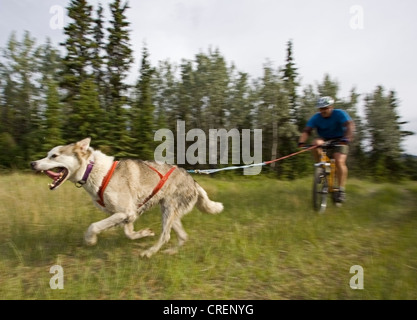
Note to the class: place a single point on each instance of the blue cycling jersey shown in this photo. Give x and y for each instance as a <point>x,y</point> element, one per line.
<point>331,127</point>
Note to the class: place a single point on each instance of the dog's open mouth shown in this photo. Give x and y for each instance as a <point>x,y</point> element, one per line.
<point>58,176</point>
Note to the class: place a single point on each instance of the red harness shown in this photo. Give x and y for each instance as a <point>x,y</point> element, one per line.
<point>159,186</point>
<point>104,184</point>
<point>106,180</point>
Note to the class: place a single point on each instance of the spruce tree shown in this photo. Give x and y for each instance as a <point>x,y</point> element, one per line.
<point>119,59</point>
<point>52,115</point>
<point>186,94</point>
<point>165,93</point>
<point>239,104</point>
<point>218,87</point>
<point>9,86</point>
<point>384,130</point>
<point>8,139</point>
<point>143,125</point>
<point>53,118</point>
<point>356,149</point>
<point>99,56</point>
<point>307,108</point>
<point>87,113</point>
<point>200,92</point>
<point>77,63</point>
<point>21,97</point>
<point>328,87</point>
<point>289,75</point>
<point>266,115</point>
<point>278,131</point>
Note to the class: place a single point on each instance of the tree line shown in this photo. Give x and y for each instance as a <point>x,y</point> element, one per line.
<point>51,96</point>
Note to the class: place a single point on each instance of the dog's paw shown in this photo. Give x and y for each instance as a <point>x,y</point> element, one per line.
<point>147,253</point>
<point>90,236</point>
<point>90,240</point>
<point>140,234</point>
<point>147,233</point>
<point>171,251</point>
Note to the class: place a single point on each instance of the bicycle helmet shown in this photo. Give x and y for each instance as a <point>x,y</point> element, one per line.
<point>324,102</point>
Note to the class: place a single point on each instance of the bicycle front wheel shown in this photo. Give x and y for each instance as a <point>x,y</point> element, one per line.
<point>320,190</point>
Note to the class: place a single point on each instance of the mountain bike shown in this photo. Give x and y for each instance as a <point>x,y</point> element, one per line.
<point>324,183</point>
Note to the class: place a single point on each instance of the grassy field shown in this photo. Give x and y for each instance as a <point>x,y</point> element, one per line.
<point>267,244</point>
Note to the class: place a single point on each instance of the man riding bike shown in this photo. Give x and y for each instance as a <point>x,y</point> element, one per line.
<point>331,124</point>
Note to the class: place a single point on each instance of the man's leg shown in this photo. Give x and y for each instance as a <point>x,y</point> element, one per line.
<point>317,151</point>
<point>342,173</point>
<point>342,169</point>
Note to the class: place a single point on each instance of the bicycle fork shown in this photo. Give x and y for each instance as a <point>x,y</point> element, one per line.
<point>326,172</point>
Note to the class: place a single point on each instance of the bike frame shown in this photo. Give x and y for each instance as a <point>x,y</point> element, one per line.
<point>324,179</point>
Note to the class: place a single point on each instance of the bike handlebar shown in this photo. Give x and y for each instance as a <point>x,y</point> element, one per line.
<point>329,144</point>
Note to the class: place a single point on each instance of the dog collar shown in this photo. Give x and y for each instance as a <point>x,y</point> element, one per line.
<point>87,172</point>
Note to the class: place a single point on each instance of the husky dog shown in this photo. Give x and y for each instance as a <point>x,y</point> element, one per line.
<point>127,188</point>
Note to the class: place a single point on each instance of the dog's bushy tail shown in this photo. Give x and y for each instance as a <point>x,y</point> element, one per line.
<point>206,205</point>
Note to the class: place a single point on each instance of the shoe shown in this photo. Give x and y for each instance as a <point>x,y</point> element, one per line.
<point>340,196</point>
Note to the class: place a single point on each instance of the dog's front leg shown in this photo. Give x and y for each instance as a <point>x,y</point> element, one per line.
<point>133,235</point>
<point>181,234</point>
<point>168,217</point>
<point>95,228</point>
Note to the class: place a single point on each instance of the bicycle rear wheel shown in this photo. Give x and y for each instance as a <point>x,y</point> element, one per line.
<point>320,190</point>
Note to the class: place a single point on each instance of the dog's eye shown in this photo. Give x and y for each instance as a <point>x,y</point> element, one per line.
<point>54,156</point>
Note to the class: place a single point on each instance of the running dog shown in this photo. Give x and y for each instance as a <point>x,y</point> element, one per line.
<point>127,188</point>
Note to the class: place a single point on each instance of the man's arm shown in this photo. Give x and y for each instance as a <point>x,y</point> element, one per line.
<point>350,130</point>
<point>304,135</point>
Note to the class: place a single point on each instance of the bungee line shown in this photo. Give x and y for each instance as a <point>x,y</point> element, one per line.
<point>209,171</point>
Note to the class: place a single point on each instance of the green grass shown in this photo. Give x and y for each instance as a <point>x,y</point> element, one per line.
<point>267,244</point>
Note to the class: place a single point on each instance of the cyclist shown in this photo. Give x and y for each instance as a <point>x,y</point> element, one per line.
<point>331,124</point>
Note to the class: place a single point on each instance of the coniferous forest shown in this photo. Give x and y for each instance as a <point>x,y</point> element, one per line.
<point>56,95</point>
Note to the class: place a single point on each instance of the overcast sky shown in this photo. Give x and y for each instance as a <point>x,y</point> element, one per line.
<point>360,43</point>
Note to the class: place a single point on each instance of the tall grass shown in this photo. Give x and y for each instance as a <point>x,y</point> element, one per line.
<point>267,244</point>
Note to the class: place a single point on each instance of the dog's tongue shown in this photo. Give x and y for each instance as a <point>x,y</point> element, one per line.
<point>51,174</point>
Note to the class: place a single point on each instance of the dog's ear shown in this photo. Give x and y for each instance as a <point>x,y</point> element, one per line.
<point>84,144</point>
